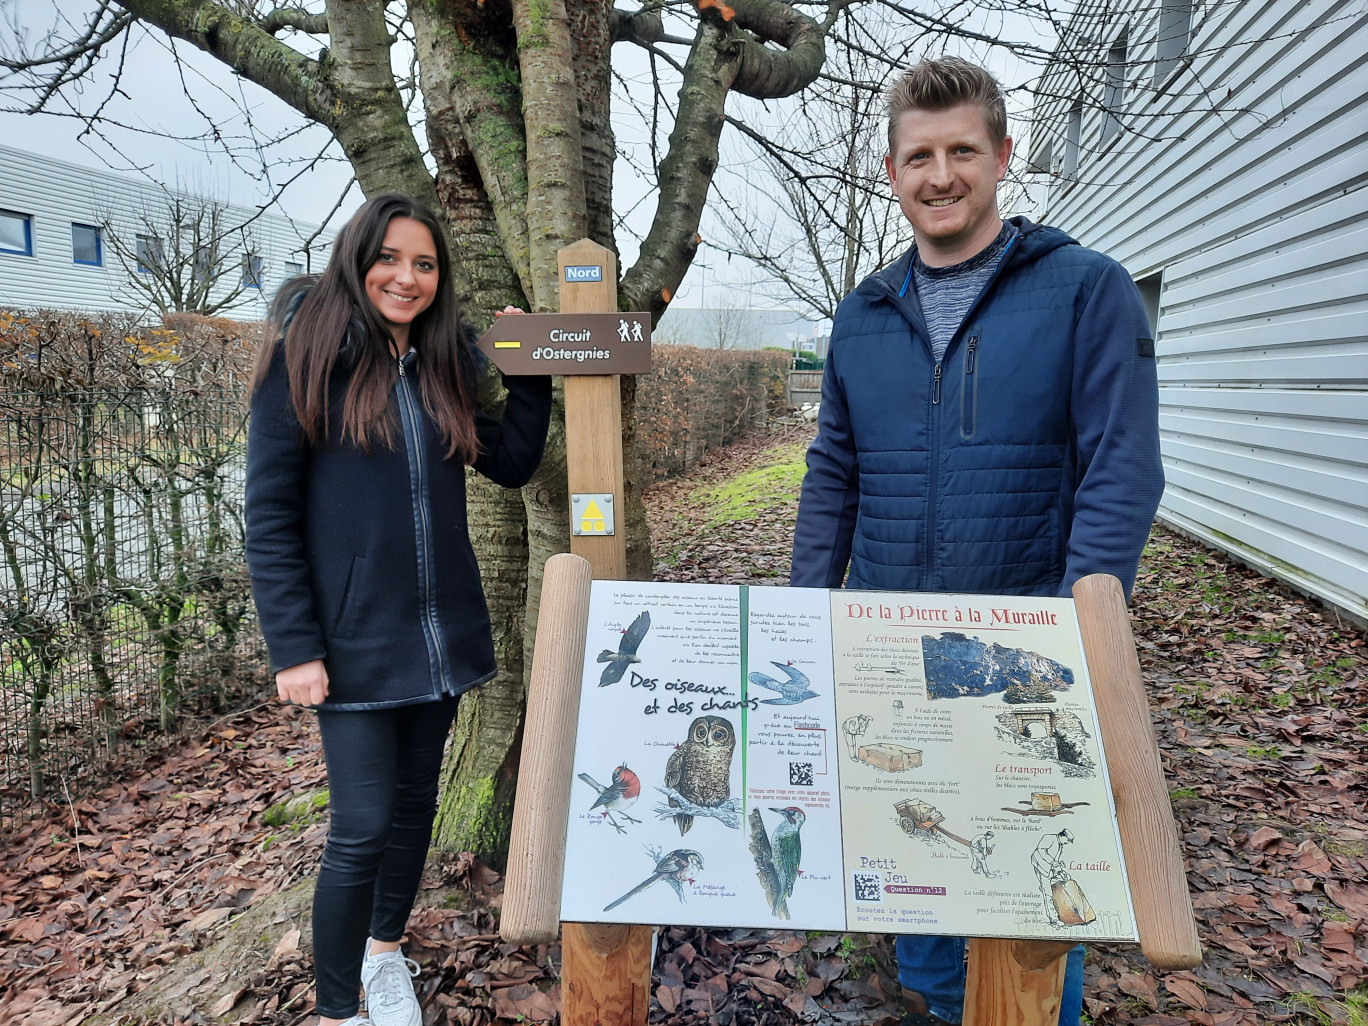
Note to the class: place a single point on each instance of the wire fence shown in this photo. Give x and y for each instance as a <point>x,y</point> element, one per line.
<point>125,607</point>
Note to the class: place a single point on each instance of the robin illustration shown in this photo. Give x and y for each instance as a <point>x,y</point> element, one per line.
<point>791,691</point>
<point>778,855</point>
<point>619,796</point>
<point>626,655</point>
<point>699,770</point>
<point>674,869</point>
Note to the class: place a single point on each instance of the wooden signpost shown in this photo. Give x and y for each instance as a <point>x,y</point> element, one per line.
<point>606,968</point>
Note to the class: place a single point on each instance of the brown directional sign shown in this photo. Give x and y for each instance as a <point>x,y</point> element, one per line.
<point>557,343</point>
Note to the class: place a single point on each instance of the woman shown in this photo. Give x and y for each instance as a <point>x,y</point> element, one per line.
<point>364,417</point>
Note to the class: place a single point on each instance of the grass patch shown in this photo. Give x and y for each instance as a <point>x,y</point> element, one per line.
<point>1305,1003</point>
<point>755,491</point>
<point>1346,848</point>
<point>1356,1008</point>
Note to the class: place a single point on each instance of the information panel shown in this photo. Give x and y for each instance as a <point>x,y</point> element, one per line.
<point>841,760</point>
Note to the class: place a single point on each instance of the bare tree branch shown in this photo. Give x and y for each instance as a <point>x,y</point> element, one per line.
<point>369,119</point>
<point>765,73</point>
<point>248,49</point>
<point>296,18</point>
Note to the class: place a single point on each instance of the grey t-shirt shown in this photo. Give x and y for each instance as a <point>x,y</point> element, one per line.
<point>947,293</point>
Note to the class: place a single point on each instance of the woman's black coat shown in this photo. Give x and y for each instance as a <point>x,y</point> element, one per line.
<point>363,559</point>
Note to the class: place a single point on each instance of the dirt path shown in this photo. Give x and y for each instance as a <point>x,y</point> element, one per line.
<point>166,899</point>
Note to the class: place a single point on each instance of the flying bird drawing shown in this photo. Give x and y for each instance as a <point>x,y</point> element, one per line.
<point>674,869</point>
<point>791,691</point>
<point>619,796</point>
<point>699,770</point>
<point>626,655</point>
<point>777,855</point>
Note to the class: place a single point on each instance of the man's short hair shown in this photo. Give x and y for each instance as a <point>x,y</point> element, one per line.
<point>944,83</point>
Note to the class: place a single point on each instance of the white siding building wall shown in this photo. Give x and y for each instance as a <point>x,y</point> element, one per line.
<point>1235,195</point>
<point>54,195</point>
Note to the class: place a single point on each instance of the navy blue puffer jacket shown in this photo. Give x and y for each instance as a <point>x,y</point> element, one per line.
<point>1027,458</point>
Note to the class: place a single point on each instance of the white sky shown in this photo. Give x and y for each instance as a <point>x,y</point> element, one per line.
<point>164,130</point>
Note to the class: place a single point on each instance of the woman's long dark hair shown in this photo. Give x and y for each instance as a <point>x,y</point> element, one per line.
<point>321,317</point>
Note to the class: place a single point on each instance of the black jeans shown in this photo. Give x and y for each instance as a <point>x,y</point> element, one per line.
<point>383,768</point>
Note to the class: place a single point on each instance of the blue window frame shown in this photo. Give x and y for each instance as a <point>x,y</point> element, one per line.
<point>16,233</point>
<point>85,245</point>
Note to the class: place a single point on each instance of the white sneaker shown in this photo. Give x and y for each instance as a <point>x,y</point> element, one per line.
<point>359,1019</point>
<point>387,979</point>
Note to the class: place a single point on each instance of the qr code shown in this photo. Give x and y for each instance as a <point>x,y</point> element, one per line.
<point>868,886</point>
<point>800,774</point>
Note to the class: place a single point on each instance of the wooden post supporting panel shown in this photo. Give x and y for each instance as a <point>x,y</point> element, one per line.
<point>1014,982</point>
<point>605,970</point>
<point>1149,837</point>
<point>1019,982</point>
<point>532,897</point>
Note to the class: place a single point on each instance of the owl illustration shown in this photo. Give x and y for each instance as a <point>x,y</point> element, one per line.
<point>700,768</point>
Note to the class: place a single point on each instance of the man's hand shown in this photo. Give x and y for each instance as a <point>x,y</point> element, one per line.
<point>305,684</point>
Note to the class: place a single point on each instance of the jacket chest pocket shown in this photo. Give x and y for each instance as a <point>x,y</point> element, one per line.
<point>344,621</point>
<point>969,386</point>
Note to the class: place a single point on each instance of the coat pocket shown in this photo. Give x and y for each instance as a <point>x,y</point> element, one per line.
<point>343,624</point>
<point>969,388</point>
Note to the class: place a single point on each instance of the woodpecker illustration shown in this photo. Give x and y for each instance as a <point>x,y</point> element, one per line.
<point>673,868</point>
<point>626,655</point>
<point>777,855</point>
<point>791,691</point>
<point>619,796</point>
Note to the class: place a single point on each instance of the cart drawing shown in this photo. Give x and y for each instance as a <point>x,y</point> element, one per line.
<point>915,814</point>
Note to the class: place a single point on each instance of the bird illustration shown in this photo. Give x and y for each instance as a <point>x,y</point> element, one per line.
<point>791,691</point>
<point>626,655</point>
<point>777,856</point>
<point>673,869</point>
<point>619,796</point>
<point>699,770</point>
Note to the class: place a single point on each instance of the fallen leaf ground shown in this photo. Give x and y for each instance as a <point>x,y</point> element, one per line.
<point>166,899</point>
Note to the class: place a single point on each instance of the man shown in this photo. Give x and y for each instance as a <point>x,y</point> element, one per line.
<point>1050,868</point>
<point>979,850</point>
<point>989,417</point>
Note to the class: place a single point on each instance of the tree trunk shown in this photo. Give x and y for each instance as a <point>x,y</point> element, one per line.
<point>476,811</point>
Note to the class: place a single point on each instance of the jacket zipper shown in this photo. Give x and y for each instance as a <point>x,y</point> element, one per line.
<point>432,631</point>
<point>932,477</point>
